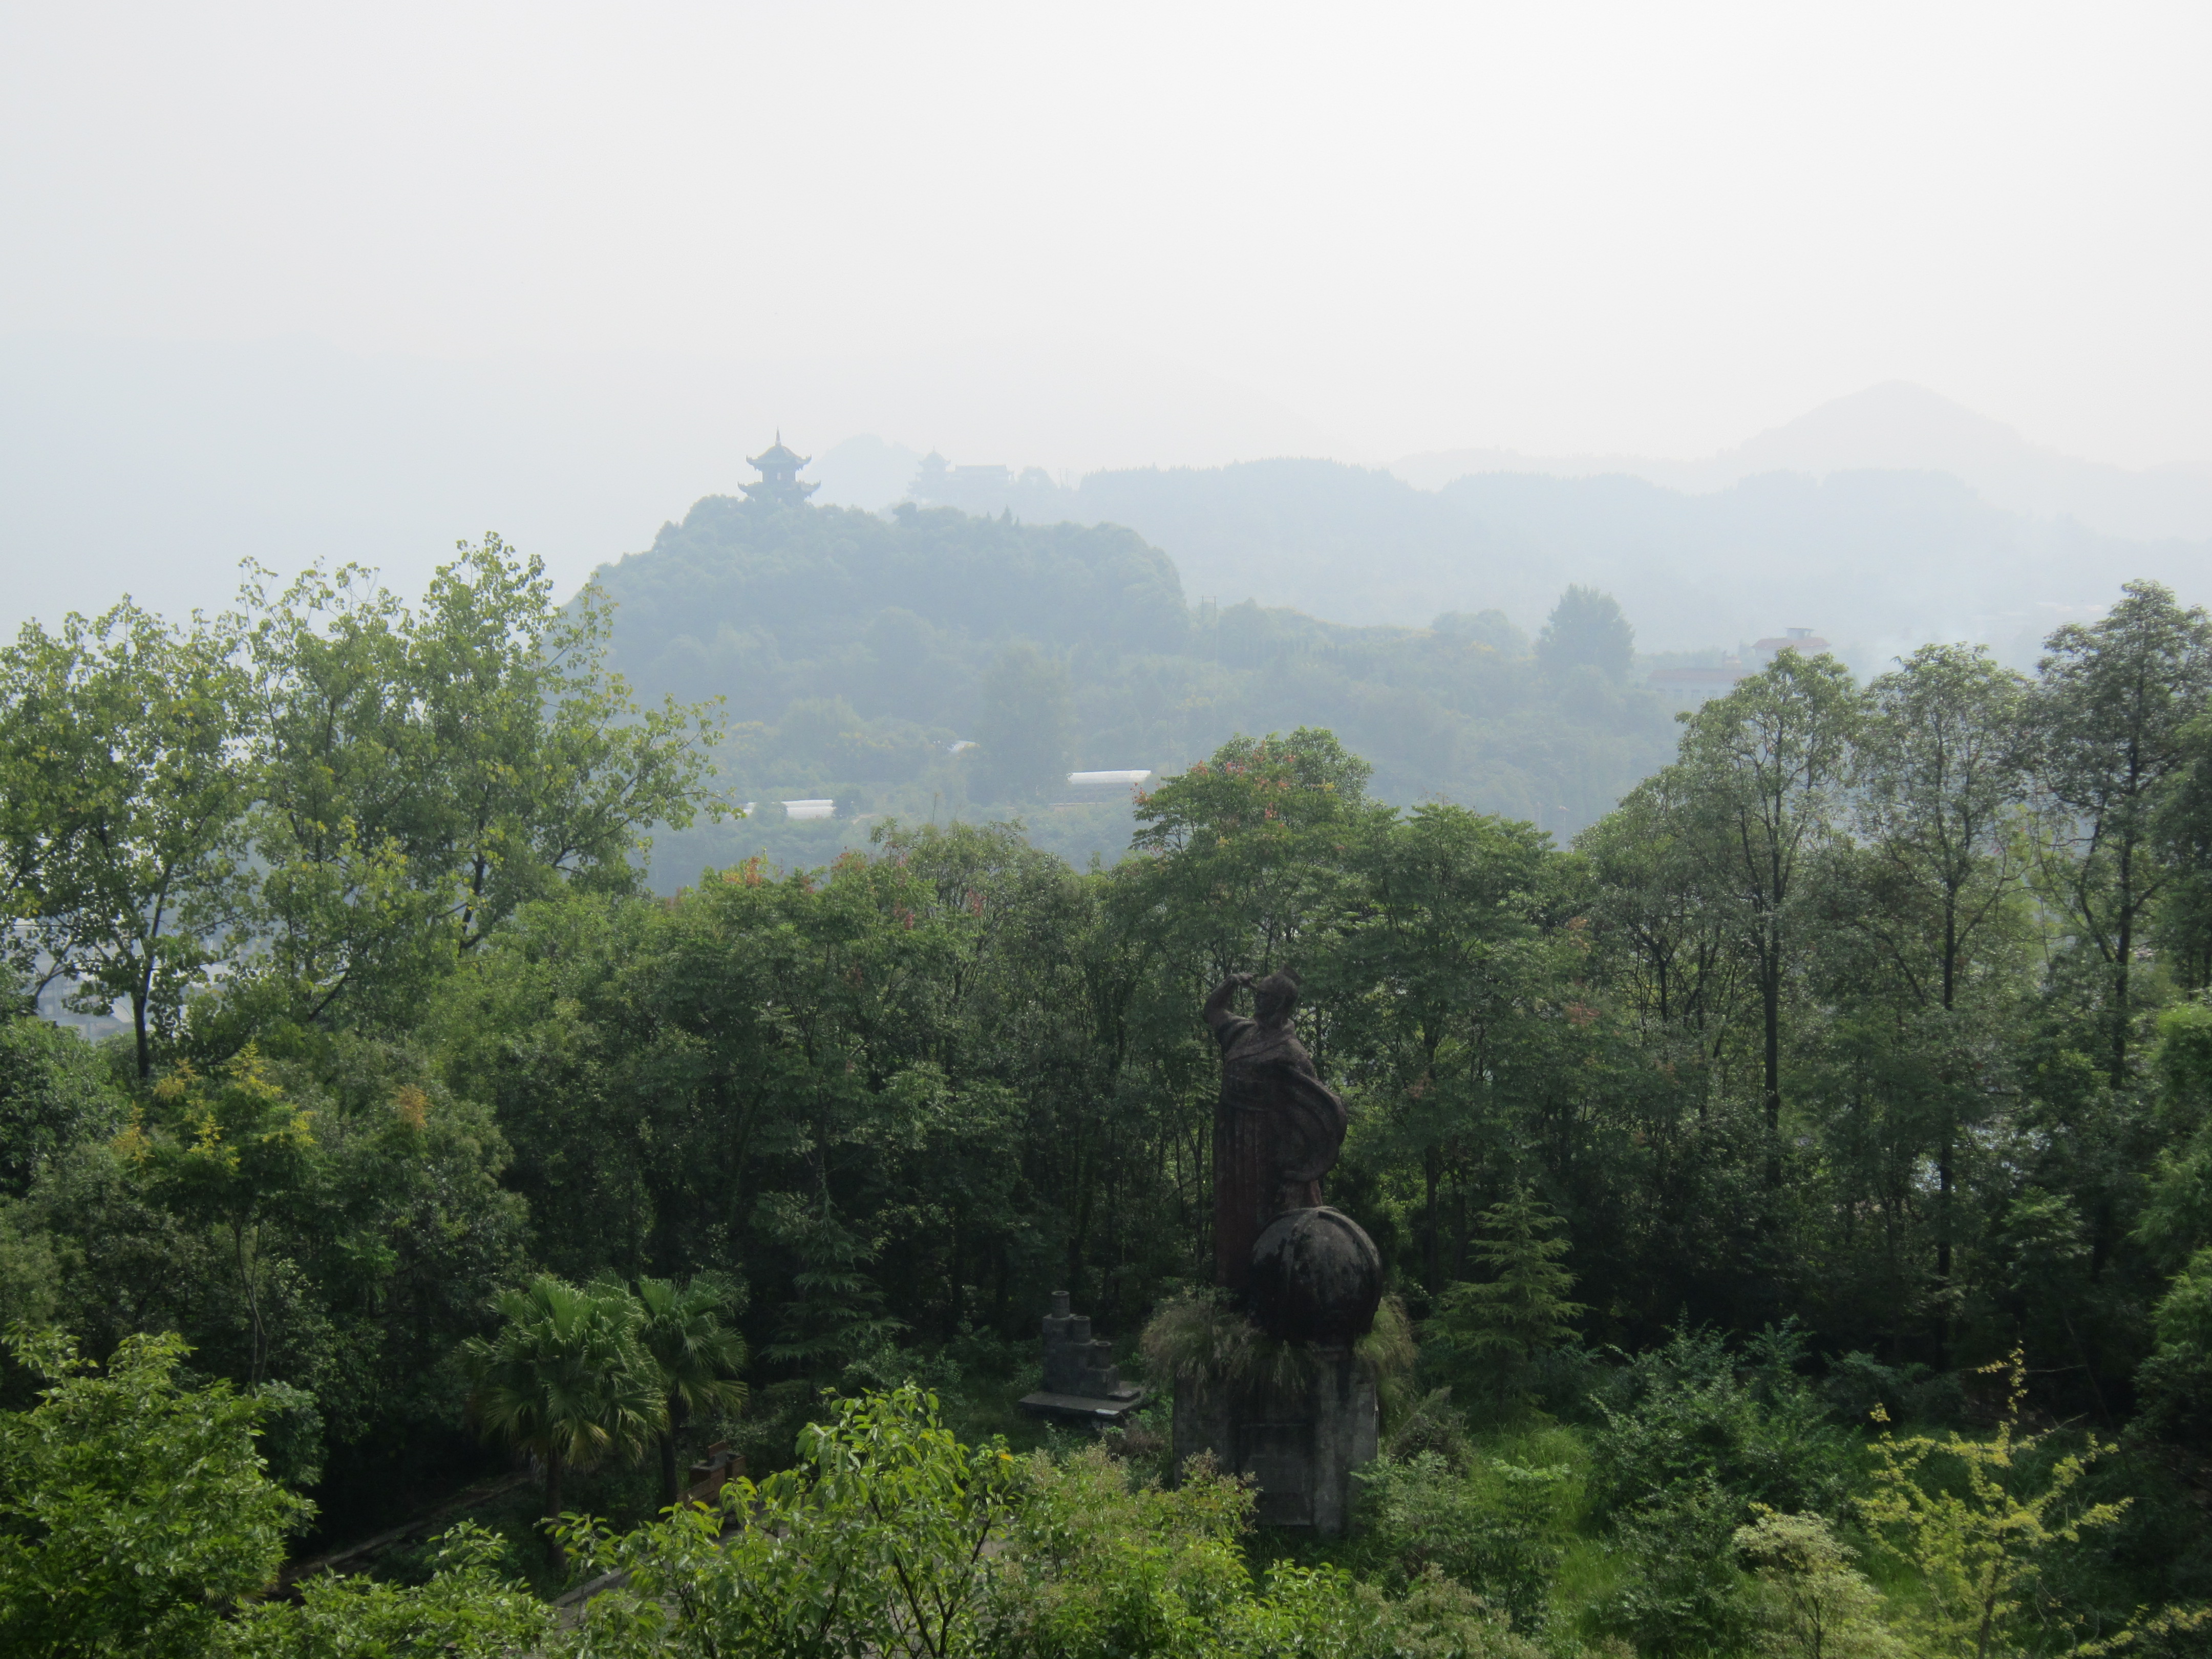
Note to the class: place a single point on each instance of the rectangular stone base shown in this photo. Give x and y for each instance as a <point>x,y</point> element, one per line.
<point>1299,1453</point>
<point>1080,1408</point>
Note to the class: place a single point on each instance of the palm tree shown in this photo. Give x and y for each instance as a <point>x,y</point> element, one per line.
<point>696,1356</point>
<point>565,1379</point>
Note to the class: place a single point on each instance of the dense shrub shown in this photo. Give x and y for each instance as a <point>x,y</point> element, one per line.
<point>1496,1526</point>
<point>1694,1413</point>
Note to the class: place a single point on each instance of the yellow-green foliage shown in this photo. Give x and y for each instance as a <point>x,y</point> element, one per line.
<point>875,1544</point>
<point>1496,1525</point>
<point>1097,1566</point>
<point>1959,1512</point>
<point>1813,1603</point>
<point>470,1609</point>
<point>135,1509</point>
<point>1389,1347</point>
<point>1326,1611</point>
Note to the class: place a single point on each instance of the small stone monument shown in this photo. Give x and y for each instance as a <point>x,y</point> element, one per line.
<point>1082,1384</point>
<point>1308,1276</point>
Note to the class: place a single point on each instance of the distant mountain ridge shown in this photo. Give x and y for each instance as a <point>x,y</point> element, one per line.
<point>1896,427</point>
<point>1877,561</point>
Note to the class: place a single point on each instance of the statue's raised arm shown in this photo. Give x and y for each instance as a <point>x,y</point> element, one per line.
<point>1217,1014</point>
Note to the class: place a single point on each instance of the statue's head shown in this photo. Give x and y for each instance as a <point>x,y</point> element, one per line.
<point>1276,997</point>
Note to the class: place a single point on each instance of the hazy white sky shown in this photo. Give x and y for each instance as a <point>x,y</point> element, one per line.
<point>1363,230</point>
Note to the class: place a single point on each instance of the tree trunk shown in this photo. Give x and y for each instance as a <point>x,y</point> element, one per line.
<point>2127,945</point>
<point>138,1029</point>
<point>1943,1184</point>
<point>1430,1159</point>
<point>678,1415</point>
<point>553,1505</point>
<point>1771,997</point>
<point>1950,946</point>
<point>1948,1152</point>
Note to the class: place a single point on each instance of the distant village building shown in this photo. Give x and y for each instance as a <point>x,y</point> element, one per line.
<point>1087,789</point>
<point>779,485</point>
<point>1803,640</point>
<point>1688,687</point>
<point>1696,685</point>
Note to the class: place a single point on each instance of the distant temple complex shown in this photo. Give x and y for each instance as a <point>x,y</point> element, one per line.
<point>779,485</point>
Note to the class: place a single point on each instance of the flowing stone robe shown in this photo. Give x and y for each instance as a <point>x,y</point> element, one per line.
<point>1277,1130</point>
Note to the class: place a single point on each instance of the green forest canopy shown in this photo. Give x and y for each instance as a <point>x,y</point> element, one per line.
<point>1865,1038</point>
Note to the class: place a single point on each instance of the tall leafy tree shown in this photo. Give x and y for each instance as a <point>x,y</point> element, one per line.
<point>1760,783</point>
<point>2184,830</point>
<point>427,770</point>
<point>1250,854</point>
<point>237,1150</point>
<point>2116,700</point>
<point>1942,777</point>
<point>350,912</point>
<point>1452,955</point>
<point>55,1094</point>
<point>1671,949</point>
<point>137,883</point>
<point>1934,893</point>
<point>1586,628</point>
<point>51,753</point>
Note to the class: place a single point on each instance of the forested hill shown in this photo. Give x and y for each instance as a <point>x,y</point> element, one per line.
<point>856,651</point>
<point>763,605</point>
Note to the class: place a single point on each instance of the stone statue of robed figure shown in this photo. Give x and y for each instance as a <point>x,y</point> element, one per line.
<point>1278,1129</point>
<point>1306,1274</point>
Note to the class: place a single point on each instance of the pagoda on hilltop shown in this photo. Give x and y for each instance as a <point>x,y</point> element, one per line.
<point>779,485</point>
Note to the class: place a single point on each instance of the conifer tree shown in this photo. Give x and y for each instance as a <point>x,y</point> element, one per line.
<point>1523,1309</point>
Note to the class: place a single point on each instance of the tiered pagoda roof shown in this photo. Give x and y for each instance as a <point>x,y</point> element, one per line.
<point>779,485</point>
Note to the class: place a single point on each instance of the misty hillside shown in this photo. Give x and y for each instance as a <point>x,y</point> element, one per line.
<point>855,650</point>
<point>1877,561</point>
<point>1897,427</point>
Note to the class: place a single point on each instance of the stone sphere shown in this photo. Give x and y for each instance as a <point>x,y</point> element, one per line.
<point>1316,1277</point>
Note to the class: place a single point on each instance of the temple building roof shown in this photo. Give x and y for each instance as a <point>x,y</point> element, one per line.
<point>779,485</point>
<point>777,458</point>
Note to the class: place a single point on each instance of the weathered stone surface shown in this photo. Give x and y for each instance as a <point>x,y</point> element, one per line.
<point>1316,1277</point>
<point>1300,1452</point>
<point>1309,1273</point>
<point>1277,1128</point>
<point>1081,1381</point>
<point>1076,1362</point>
<point>1072,1408</point>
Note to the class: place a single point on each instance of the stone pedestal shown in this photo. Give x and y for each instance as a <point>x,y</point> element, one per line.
<point>1082,1384</point>
<point>1299,1451</point>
